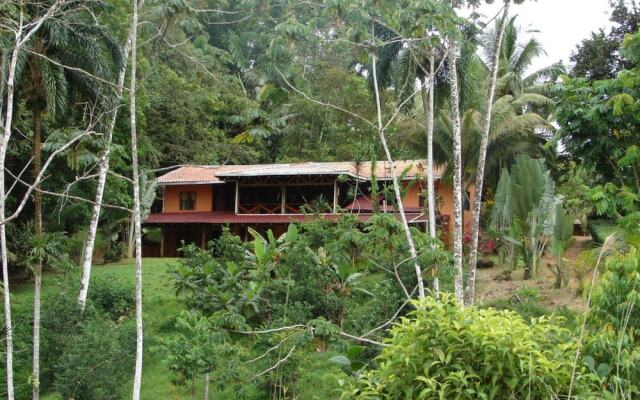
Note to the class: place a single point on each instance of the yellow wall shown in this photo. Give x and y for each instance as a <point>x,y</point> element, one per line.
<point>412,198</point>
<point>446,205</point>
<point>204,200</point>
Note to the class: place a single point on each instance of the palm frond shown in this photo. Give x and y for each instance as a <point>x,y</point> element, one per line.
<point>546,74</point>
<point>525,55</point>
<point>532,99</point>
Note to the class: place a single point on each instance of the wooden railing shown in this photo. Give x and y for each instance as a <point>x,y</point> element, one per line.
<point>260,208</point>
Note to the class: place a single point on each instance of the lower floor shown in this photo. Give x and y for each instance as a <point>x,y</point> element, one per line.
<point>165,239</point>
<point>168,239</point>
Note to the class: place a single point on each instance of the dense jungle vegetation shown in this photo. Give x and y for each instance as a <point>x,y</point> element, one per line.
<point>99,97</point>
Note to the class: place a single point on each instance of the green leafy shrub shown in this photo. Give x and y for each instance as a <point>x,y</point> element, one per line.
<point>600,229</point>
<point>112,297</point>
<point>612,352</point>
<point>82,356</point>
<point>442,351</point>
<point>198,346</point>
<point>96,361</point>
<point>113,251</point>
<point>614,358</point>
<point>87,356</point>
<point>616,298</point>
<point>528,294</point>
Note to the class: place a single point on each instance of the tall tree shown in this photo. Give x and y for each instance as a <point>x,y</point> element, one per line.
<point>137,378</point>
<point>427,101</point>
<point>597,57</point>
<point>396,184</point>
<point>484,142</point>
<point>516,58</point>
<point>23,30</point>
<point>457,172</point>
<point>56,68</point>
<point>103,169</point>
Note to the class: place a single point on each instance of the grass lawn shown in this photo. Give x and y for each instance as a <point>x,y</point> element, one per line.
<point>160,305</point>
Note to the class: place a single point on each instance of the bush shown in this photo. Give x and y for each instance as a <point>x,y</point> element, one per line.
<point>616,299</point>
<point>528,294</point>
<point>112,297</point>
<point>600,229</point>
<point>99,357</point>
<point>615,359</point>
<point>113,251</point>
<point>83,356</point>
<point>612,353</point>
<point>443,351</point>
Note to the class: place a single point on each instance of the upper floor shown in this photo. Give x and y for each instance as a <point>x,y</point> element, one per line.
<point>292,189</point>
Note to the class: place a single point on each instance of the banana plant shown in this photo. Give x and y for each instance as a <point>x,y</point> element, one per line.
<point>267,251</point>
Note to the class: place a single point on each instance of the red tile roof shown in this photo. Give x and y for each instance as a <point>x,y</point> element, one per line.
<point>230,218</point>
<point>193,175</point>
<point>207,174</point>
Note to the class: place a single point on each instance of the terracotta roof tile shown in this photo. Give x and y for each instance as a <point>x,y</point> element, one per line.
<point>208,174</point>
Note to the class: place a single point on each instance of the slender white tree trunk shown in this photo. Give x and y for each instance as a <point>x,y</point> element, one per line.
<point>37,270</point>
<point>206,386</point>
<point>427,104</point>
<point>103,168</point>
<point>396,184</point>
<point>3,232</point>
<point>137,378</point>
<point>131,238</point>
<point>469,294</point>
<point>35,374</point>
<point>457,173</point>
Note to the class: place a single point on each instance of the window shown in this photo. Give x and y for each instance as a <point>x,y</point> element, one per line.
<point>187,200</point>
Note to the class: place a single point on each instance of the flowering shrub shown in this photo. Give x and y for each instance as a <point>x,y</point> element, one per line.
<point>487,247</point>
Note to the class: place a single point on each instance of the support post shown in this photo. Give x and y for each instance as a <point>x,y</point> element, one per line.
<point>283,199</point>
<point>335,196</point>
<point>161,242</point>
<point>204,237</point>
<point>236,202</point>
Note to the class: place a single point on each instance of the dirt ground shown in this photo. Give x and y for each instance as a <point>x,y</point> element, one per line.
<point>488,289</point>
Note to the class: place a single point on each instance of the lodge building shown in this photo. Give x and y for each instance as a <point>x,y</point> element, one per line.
<point>197,201</point>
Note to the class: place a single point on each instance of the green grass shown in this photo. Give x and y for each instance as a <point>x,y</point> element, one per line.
<point>318,380</point>
<point>159,306</point>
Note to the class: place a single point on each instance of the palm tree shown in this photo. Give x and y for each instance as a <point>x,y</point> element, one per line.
<point>512,132</point>
<point>520,108</point>
<point>516,58</point>
<point>55,69</point>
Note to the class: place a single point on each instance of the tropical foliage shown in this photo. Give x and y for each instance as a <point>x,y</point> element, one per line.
<point>444,351</point>
<point>328,309</point>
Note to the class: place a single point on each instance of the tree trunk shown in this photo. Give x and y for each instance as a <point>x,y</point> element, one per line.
<point>427,103</point>
<point>131,238</point>
<point>484,143</point>
<point>137,379</point>
<point>103,168</point>
<point>396,185</point>
<point>206,386</point>
<point>37,269</point>
<point>3,229</point>
<point>457,173</point>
